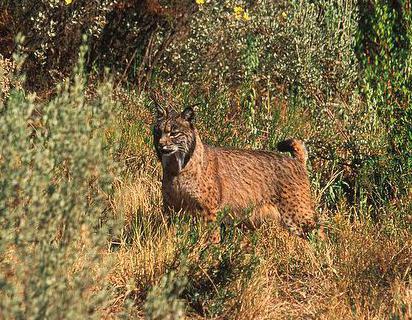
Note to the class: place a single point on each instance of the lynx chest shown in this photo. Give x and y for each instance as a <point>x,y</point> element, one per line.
<point>182,193</point>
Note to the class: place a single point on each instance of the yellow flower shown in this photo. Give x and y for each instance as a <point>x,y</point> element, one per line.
<point>238,12</point>
<point>246,16</point>
<point>68,1</point>
<point>200,2</point>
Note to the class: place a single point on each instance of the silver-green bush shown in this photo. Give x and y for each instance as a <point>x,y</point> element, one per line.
<point>56,173</point>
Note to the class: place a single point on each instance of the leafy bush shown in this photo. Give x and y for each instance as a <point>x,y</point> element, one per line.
<point>279,43</point>
<point>163,301</point>
<point>56,177</point>
<point>384,50</point>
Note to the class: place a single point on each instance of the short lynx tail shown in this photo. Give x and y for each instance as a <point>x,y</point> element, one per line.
<point>296,148</point>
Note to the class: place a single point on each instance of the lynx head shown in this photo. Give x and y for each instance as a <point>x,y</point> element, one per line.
<point>174,135</point>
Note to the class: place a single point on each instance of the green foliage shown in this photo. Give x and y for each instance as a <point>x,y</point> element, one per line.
<point>220,273</point>
<point>203,277</point>
<point>298,43</point>
<point>54,32</point>
<point>163,301</point>
<point>384,50</point>
<point>56,176</point>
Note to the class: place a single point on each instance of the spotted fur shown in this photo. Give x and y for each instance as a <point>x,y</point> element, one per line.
<point>201,179</point>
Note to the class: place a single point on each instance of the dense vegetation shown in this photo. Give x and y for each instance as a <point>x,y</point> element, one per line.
<point>82,233</point>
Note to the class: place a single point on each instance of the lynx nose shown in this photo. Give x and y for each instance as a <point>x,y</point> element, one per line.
<point>165,145</point>
<point>164,141</point>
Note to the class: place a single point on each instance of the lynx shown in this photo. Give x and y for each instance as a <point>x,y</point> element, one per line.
<point>255,185</point>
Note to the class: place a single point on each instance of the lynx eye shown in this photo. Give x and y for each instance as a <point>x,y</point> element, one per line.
<point>174,133</point>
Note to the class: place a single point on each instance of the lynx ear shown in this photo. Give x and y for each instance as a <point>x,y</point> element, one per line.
<point>188,114</point>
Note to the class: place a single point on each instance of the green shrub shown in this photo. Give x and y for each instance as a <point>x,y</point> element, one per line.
<point>56,174</point>
<point>384,50</point>
<point>163,300</point>
<point>280,43</point>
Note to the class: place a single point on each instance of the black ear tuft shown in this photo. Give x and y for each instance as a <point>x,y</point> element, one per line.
<point>161,111</point>
<point>188,114</point>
